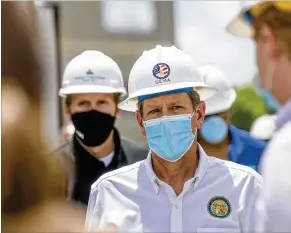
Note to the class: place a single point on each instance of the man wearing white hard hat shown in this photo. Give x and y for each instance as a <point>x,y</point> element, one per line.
<point>269,22</point>
<point>217,136</point>
<point>177,188</point>
<point>92,85</point>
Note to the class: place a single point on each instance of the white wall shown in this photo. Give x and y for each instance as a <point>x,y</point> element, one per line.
<point>50,108</point>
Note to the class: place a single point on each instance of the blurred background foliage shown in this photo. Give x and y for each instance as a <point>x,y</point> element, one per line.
<point>247,107</point>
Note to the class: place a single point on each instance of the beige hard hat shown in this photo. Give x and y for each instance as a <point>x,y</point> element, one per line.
<point>241,25</point>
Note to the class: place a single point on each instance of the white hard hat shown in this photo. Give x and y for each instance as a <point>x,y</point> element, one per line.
<point>160,70</point>
<point>226,95</point>
<point>241,25</point>
<point>92,72</point>
<point>263,127</point>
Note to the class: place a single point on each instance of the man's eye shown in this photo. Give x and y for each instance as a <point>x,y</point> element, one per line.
<point>177,107</point>
<point>154,111</point>
<point>83,103</point>
<point>102,102</point>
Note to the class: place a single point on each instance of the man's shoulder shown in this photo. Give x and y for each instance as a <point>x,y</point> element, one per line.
<point>127,174</point>
<point>235,170</point>
<point>280,145</point>
<point>282,136</point>
<point>134,151</point>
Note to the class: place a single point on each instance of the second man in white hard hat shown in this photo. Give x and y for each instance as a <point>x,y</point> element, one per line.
<point>92,85</point>
<point>217,136</point>
<point>178,188</point>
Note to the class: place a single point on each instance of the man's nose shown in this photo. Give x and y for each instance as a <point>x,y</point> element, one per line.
<point>165,111</point>
<point>94,106</point>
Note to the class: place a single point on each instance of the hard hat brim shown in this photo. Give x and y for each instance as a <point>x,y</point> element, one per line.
<point>240,27</point>
<point>84,89</point>
<point>221,106</point>
<point>204,91</point>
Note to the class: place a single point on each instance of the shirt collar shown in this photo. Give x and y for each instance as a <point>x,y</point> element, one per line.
<point>284,115</point>
<point>236,145</point>
<point>199,174</point>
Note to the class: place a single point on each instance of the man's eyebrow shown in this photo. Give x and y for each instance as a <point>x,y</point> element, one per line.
<point>152,106</point>
<point>175,102</point>
<point>82,100</point>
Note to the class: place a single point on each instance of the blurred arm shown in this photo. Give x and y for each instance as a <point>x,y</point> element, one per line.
<point>94,210</point>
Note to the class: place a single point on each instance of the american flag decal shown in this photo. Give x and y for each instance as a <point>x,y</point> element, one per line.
<point>161,71</point>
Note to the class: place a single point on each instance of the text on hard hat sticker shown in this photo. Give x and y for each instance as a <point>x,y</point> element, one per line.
<point>89,78</point>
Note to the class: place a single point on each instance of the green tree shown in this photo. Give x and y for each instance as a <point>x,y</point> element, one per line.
<point>247,107</point>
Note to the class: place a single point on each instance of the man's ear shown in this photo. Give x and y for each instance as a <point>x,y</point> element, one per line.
<point>200,114</point>
<point>140,123</point>
<point>68,113</point>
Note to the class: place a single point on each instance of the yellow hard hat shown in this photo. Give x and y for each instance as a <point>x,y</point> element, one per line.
<point>241,25</point>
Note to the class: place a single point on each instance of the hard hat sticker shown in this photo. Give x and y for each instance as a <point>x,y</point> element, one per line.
<point>161,71</point>
<point>89,72</point>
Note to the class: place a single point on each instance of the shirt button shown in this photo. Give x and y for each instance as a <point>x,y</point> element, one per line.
<point>176,206</point>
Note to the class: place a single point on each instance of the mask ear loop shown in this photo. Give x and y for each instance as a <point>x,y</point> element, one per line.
<point>195,134</point>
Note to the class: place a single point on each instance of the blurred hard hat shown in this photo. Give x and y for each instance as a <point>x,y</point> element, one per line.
<point>241,25</point>
<point>160,70</point>
<point>226,95</point>
<point>92,72</point>
<point>263,127</point>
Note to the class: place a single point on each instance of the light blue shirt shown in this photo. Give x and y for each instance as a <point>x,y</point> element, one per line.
<point>219,198</point>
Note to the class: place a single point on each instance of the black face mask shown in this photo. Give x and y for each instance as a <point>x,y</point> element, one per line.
<point>93,127</point>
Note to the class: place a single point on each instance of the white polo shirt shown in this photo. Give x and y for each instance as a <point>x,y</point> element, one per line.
<point>219,198</point>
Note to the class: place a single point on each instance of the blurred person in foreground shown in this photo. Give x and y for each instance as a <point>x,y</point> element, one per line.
<point>217,136</point>
<point>269,23</point>
<point>33,184</point>
<point>177,188</point>
<point>92,86</point>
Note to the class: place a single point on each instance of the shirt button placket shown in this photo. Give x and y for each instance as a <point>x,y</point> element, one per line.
<point>176,216</point>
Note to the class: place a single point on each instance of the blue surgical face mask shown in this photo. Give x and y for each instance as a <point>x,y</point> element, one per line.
<point>170,137</point>
<point>214,129</point>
